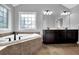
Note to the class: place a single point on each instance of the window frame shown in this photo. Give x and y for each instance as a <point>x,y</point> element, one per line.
<point>20,19</point>
<point>8,18</point>
<point>4,17</point>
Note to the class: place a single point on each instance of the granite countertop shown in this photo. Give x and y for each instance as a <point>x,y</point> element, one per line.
<point>4,33</point>
<point>61,29</point>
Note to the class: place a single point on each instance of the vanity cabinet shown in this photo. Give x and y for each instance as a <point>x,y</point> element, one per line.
<point>60,36</point>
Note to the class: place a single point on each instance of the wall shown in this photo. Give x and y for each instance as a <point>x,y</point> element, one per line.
<point>49,20</point>
<point>74,17</point>
<point>12,16</point>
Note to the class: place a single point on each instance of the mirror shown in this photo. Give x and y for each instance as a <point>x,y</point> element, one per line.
<point>59,22</point>
<point>64,20</point>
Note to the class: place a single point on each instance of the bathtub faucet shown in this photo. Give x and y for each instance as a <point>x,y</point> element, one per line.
<point>20,37</point>
<point>9,39</point>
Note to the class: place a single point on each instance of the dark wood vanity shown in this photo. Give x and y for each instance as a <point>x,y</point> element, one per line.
<point>60,36</point>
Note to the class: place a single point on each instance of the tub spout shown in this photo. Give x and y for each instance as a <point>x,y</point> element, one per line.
<point>14,35</point>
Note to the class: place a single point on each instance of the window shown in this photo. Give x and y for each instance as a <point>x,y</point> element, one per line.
<point>27,20</point>
<point>3,17</point>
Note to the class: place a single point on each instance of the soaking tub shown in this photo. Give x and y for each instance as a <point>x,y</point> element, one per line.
<point>19,38</point>
<point>27,44</point>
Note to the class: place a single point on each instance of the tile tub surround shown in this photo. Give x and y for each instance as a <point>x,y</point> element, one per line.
<point>5,34</point>
<point>28,32</point>
<point>24,48</point>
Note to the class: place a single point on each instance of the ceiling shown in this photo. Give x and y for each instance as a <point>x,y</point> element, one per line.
<point>69,6</point>
<point>15,5</point>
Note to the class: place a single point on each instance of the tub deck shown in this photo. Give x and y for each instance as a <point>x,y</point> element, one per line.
<point>25,47</point>
<point>29,44</point>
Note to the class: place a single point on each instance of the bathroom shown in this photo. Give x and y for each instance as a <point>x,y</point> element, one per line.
<point>19,33</point>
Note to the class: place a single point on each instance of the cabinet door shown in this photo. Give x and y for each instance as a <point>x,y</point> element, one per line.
<point>49,37</point>
<point>60,36</point>
<point>44,36</point>
<point>72,36</point>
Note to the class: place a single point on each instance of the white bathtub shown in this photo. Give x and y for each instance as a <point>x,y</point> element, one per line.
<point>24,37</point>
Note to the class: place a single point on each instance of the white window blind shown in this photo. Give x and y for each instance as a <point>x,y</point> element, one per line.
<point>3,17</point>
<point>27,20</point>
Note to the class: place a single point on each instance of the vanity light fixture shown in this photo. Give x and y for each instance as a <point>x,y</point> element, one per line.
<point>47,12</point>
<point>65,13</point>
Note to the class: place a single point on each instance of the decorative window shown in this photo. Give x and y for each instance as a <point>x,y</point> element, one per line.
<point>27,20</point>
<point>3,17</point>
